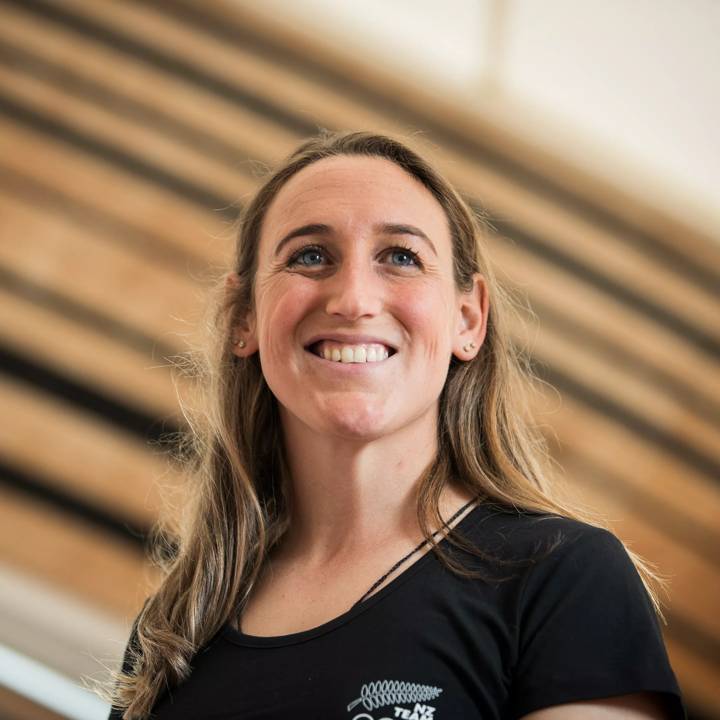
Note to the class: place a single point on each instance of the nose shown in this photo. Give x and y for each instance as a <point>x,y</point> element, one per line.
<point>353,290</point>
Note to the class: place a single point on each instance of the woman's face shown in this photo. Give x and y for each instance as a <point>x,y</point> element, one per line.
<point>355,262</point>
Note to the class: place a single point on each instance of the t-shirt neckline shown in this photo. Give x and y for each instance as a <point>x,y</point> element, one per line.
<point>240,638</point>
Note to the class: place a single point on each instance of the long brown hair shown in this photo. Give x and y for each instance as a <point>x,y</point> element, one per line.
<point>236,508</point>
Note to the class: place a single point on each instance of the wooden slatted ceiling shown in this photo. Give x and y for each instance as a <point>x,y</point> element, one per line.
<point>119,180</point>
<point>230,60</point>
<point>628,272</point>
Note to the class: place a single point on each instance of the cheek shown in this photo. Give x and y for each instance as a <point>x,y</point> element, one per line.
<point>281,304</point>
<point>426,312</point>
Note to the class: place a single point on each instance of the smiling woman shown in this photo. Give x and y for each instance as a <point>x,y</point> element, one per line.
<point>370,531</point>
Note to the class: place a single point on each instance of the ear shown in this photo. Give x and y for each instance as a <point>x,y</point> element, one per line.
<point>244,331</point>
<point>472,307</point>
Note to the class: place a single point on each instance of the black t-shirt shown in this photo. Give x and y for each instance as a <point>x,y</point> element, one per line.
<point>573,623</point>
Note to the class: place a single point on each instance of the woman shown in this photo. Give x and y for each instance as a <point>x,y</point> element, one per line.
<point>372,533</point>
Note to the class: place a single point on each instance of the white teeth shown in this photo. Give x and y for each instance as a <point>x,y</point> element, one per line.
<point>352,353</point>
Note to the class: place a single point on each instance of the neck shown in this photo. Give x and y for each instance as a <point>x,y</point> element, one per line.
<point>349,497</point>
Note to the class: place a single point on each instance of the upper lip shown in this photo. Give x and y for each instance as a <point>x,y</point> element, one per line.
<point>349,340</point>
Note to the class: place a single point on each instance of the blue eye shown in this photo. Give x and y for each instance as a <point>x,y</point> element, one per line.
<point>307,257</point>
<point>408,257</point>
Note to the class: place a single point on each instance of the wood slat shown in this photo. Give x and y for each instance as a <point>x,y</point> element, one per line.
<point>73,556</point>
<point>82,456</point>
<point>64,257</point>
<point>234,63</point>
<point>48,337</point>
<point>140,82</point>
<point>595,249</point>
<point>140,209</point>
<point>136,139</point>
<point>568,296</point>
<point>628,388</point>
<point>231,60</point>
<point>644,468</point>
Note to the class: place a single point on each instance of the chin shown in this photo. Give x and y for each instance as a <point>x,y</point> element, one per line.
<point>348,418</point>
<point>357,423</point>
<point>357,433</point>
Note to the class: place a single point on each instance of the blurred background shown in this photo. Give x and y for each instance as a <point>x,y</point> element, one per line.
<point>131,134</point>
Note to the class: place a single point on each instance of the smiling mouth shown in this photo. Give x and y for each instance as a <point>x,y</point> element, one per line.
<point>346,353</point>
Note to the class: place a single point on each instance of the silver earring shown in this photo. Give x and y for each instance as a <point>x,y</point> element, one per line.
<point>239,343</point>
<point>470,346</point>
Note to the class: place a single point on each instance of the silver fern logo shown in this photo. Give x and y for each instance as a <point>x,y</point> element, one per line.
<point>381,693</point>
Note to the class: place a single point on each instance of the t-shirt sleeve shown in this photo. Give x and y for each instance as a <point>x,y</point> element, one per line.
<point>588,630</point>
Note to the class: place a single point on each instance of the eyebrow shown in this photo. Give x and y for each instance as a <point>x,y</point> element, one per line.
<point>401,229</point>
<point>312,229</point>
<point>382,228</point>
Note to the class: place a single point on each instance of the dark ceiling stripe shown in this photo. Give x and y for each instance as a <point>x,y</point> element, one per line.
<point>186,70</point>
<point>28,63</point>
<point>48,493</point>
<point>701,404</point>
<point>83,314</point>
<point>224,206</point>
<point>616,290</point>
<point>109,409</point>
<point>703,463</point>
<point>233,32</point>
<point>106,227</point>
<point>111,154</point>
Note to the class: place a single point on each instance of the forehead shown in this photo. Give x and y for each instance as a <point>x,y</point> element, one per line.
<point>349,191</point>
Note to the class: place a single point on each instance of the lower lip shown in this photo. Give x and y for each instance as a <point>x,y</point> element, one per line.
<point>349,368</point>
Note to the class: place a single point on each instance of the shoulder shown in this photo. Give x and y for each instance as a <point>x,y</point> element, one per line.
<point>584,625</point>
<point>546,553</point>
<point>516,534</point>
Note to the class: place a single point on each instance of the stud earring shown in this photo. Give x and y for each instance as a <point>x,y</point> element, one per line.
<point>239,343</point>
<point>470,346</point>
